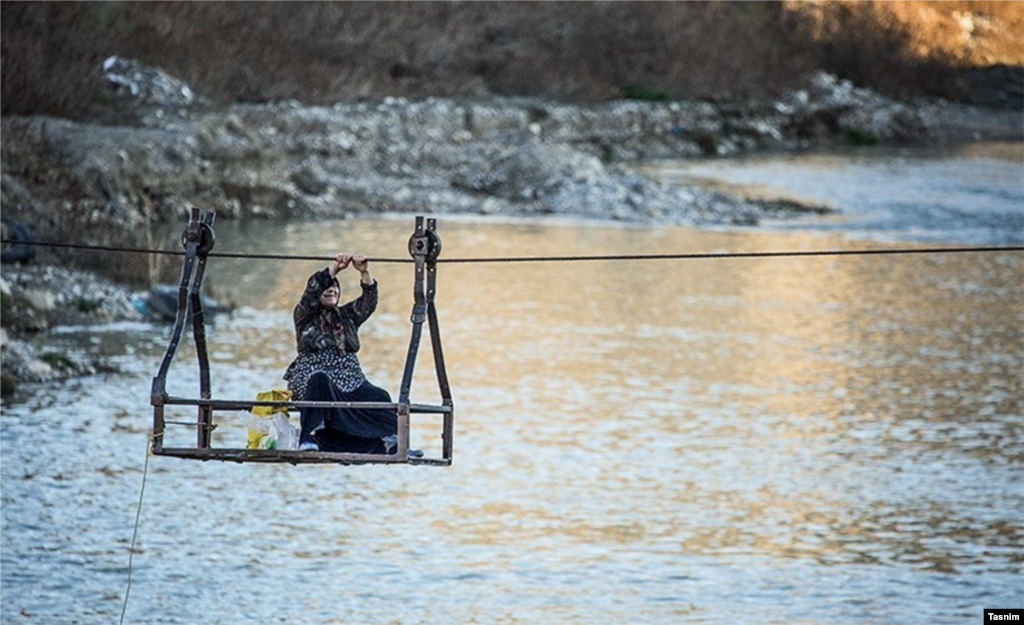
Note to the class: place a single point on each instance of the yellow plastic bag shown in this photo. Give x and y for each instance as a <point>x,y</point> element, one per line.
<point>269,427</point>
<point>274,394</point>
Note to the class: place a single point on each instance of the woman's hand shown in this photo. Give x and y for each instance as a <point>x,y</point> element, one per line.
<point>341,261</point>
<point>362,265</point>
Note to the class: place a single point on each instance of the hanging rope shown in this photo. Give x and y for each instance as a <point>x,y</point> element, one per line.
<point>135,532</point>
<point>536,259</point>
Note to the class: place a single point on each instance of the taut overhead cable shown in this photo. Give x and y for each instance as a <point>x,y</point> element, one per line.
<point>536,259</point>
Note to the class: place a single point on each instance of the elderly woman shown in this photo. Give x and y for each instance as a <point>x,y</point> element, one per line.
<point>327,369</point>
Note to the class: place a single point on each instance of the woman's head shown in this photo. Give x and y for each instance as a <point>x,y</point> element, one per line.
<point>329,297</point>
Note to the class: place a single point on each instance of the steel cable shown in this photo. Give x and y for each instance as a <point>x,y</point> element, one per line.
<point>534,259</point>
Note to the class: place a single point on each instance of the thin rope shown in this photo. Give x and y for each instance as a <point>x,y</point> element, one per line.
<point>135,532</point>
<point>536,259</point>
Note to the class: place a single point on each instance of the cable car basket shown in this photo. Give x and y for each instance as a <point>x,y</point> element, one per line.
<point>198,240</point>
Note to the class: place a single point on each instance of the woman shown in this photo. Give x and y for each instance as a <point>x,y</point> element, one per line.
<point>327,368</point>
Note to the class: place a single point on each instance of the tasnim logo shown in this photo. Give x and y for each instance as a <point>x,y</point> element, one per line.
<point>998,616</point>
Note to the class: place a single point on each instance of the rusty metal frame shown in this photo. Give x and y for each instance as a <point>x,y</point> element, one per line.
<point>198,240</point>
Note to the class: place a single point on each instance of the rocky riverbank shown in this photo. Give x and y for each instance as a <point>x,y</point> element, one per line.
<point>163,148</point>
<point>169,150</point>
<point>36,298</point>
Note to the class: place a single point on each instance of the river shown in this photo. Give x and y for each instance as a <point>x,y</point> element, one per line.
<point>774,441</point>
<point>970,194</point>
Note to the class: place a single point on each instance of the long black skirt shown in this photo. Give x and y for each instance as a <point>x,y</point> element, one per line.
<point>348,430</point>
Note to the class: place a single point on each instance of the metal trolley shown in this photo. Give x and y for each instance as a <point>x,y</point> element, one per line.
<point>198,240</point>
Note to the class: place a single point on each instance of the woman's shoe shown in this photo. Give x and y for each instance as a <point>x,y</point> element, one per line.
<point>309,446</point>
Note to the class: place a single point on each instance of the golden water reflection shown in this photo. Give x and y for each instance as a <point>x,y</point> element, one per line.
<point>845,410</point>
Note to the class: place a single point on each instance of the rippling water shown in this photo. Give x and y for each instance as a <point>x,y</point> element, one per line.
<point>823,440</point>
<point>972,194</point>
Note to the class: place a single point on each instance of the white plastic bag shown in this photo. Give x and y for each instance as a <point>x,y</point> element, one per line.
<point>277,432</point>
<point>285,434</point>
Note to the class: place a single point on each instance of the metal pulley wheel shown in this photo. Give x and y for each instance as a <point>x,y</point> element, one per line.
<point>206,237</point>
<point>428,244</point>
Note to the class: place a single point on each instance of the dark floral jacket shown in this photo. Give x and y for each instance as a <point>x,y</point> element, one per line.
<point>318,328</point>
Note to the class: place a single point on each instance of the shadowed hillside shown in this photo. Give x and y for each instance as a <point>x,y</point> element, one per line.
<point>319,52</point>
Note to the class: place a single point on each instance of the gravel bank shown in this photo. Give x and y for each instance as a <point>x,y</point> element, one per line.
<point>108,184</point>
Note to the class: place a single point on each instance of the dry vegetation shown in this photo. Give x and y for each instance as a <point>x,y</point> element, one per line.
<point>954,32</point>
<point>320,52</point>
<point>961,50</point>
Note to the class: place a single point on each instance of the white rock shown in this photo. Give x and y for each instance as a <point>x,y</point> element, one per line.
<point>38,369</point>
<point>40,300</point>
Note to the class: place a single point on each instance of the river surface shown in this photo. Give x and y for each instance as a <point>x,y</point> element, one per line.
<point>831,440</point>
<point>968,194</point>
